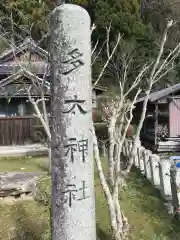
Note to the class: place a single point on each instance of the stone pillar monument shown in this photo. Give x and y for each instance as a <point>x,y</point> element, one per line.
<point>73,206</point>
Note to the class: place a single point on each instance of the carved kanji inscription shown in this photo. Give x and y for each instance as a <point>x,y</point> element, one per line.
<point>73,103</point>
<point>73,61</point>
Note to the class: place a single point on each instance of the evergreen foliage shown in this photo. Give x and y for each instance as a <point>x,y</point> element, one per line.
<point>139,27</point>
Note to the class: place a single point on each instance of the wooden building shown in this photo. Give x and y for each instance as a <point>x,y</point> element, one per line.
<point>17,123</point>
<point>161,129</point>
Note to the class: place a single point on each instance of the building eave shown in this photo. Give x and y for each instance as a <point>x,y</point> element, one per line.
<point>100,88</point>
<point>8,54</point>
<point>155,96</point>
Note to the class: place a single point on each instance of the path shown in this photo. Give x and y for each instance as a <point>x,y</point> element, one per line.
<point>21,151</point>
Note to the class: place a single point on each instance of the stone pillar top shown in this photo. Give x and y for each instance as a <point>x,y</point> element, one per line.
<point>71,7</point>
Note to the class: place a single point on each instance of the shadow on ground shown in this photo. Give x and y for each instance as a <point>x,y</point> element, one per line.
<point>101,234</point>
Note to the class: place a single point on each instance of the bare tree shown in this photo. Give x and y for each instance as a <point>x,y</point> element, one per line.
<point>41,111</point>
<point>41,84</point>
<point>118,114</point>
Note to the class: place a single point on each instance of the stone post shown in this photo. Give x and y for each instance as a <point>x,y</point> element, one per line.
<point>136,159</point>
<point>154,166</point>
<point>102,148</point>
<point>141,161</point>
<point>174,188</point>
<point>73,205</point>
<point>164,173</point>
<point>147,168</point>
<point>126,148</point>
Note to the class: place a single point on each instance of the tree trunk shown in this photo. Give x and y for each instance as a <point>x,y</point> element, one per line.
<point>105,187</point>
<point>111,129</point>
